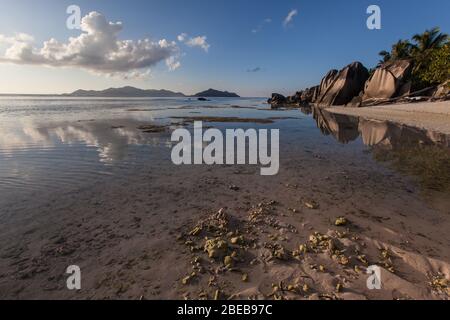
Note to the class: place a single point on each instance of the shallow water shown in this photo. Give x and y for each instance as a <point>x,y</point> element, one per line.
<point>64,144</point>
<point>82,183</point>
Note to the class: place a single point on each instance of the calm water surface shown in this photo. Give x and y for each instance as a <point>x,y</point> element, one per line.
<point>64,144</point>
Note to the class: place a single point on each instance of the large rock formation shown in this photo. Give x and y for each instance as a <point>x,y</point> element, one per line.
<point>442,91</point>
<point>326,82</point>
<point>356,102</point>
<point>315,93</point>
<point>389,81</point>
<point>308,95</point>
<point>299,98</point>
<point>344,86</point>
<point>353,87</point>
<point>295,99</point>
<point>277,99</point>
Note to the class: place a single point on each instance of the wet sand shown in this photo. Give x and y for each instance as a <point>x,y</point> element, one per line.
<point>102,193</point>
<point>205,232</point>
<point>428,115</point>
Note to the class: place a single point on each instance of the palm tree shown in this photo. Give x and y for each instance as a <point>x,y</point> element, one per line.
<point>430,39</point>
<point>401,50</point>
<point>420,52</point>
<point>385,57</point>
<point>424,43</point>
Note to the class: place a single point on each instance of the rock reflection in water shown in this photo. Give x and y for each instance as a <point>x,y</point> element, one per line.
<point>342,127</point>
<point>414,151</point>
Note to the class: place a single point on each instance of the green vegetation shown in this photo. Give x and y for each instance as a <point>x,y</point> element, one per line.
<point>438,66</point>
<point>430,53</point>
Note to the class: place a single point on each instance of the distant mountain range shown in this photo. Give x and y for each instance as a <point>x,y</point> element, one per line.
<point>136,92</point>
<point>125,92</point>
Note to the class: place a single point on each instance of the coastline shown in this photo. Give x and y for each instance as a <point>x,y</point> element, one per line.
<point>434,116</point>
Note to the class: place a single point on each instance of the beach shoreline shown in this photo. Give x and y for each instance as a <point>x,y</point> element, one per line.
<point>433,116</point>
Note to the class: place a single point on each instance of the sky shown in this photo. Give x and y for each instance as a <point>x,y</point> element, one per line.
<point>250,47</point>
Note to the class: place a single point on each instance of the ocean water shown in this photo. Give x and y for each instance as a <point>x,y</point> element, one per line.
<point>53,144</point>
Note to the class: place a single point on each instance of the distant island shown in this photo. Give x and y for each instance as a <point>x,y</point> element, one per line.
<point>216,93</point>
<point>125,92</point>
<point>140,93</point>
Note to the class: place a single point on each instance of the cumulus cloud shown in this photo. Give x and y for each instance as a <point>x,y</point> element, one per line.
<point>18,37</point>
<point>290,17</point>
<point>97,49</point>
<point>199,41</point>
<point>173,63</point>
<point>261,25</point>
<point>182,37</point>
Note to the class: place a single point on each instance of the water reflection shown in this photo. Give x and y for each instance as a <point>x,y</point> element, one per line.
<point>374,133</point>
<point>419,152</point>
<point>342,127</point>
<point>111,138</point>
<point>49,152</point>
<point>37,156</point>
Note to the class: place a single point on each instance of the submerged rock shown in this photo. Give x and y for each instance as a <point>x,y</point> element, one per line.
<point>151,128</point>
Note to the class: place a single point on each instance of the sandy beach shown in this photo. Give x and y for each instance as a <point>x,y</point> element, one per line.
<point>145,238</point>
<point>433,116</point>
<point>153,230</point>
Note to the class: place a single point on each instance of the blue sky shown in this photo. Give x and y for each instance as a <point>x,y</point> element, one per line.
<point>323,35</point>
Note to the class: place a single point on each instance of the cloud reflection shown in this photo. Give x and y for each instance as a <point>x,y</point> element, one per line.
<point>112,139</point>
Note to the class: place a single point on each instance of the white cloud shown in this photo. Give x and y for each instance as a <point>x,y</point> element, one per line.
<point>182,37</point>
<point>199,41</point>
<point>290,17</point>
<point>173,63</point>
<point>96,49</point>
<point>261,25</point>
<point>18,37</point>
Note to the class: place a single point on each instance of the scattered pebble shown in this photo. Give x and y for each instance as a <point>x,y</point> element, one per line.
<point>341,221</point>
